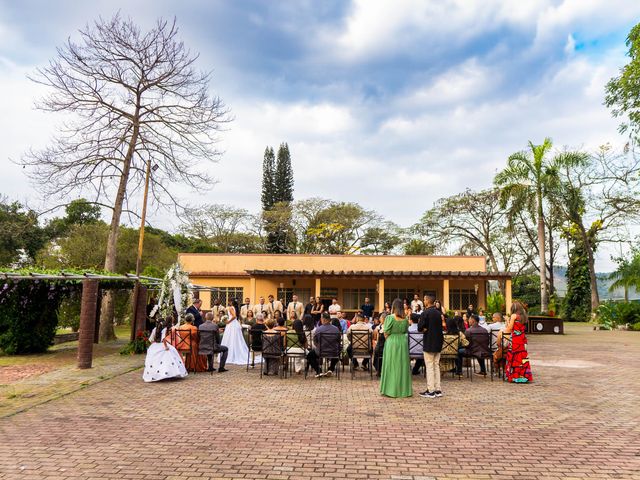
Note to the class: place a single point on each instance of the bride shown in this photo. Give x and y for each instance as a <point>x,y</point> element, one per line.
<point>163,360</point>
<point>233,338</point>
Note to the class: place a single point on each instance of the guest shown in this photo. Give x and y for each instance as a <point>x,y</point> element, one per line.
<point>256,336</point>
<point>276,305</point>
<point>277,315</point>
<point>359,325</point>
<point>465,320</point>
<point>295,307</point>
<point>367,308</point>
<point>415,302</point>
<point>298,330</point>
<point>187,342</point>
<point>272,364</point>
<point>336,322</point>
<point>470,310</point>
<point>218,310</point>
<point>432,324</point>
<point>481,315</point>
<point>418,310</point>
<point>417,348</point>
<point>325,327</point>
<point>309,306</point>
<point>518,367</point>
<point>479,341</point>
<point>344,323</point>
<point>334,308</point>
<point>210,343</point>
<point>460,322</point>
<point>396,376</point>
<point>162,360</point>
<point>497,325</point>
<point>263,308</point>
<point>245,308</point>
<point>439,306</point>
<point>454,331</point>
<point>308,323</point>
<point>482,321</point>
<point>378,342</point>
<point>194,310</point>
<point>250,319</point>
<point>387,309</point>
<point>317,311</point>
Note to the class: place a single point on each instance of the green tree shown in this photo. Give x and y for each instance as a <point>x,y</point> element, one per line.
<point>576,305</point>
<point>78,212</point>
<point>417,246</point>
<point>524,185</point>
<point>381,240</point>
<point>623,92</point>
<point>283,178</point>
<point>627,273</point>
<point>268,179</point>
<point>20,234</point>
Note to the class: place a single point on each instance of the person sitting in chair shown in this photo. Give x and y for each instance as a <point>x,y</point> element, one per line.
<point>479,341</point>
<point>313,356</point>
<point>210,343</point>
<point>359,325</point>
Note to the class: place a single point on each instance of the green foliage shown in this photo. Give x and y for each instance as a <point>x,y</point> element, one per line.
<point>623,92</point>
<point>20,235</point>
<point>138,346</point>
<point>416,246</point>
<point>636,327</point>
<point>495,303</point>
<point>526,288</point>
<point>69,311</point>
<point>576,306</point>
<point>283,178</point>
<point>611,314</point>
<point>268,179</point>
<point>380,240</point>
<point>627,274</point>
<point>78,212</point>
<point>29,314</point>
<point>277,195</point>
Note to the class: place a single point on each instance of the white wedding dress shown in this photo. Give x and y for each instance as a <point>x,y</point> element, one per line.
<point>233,339</point>
<point>161,363</point>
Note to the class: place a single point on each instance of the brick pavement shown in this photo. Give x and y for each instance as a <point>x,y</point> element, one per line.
<point>581,419</point>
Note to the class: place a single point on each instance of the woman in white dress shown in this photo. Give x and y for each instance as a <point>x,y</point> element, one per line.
<point>163,360</point>
<point>233,338</point>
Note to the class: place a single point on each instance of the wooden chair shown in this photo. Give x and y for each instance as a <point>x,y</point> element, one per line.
<point>329,348</point>
<point>416,348</point>
<point>273,347</point>
<point>360,346</point>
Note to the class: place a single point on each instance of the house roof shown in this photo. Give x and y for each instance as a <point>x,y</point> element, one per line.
<point>380,273</point>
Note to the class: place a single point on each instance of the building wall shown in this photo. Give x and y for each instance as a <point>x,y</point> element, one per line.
<point>198,263</point>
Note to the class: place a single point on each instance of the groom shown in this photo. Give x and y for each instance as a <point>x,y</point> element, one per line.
<point>210,346</point>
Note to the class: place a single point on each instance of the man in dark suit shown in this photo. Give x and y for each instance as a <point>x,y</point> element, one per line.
<point>195,311</point>
<point>210,343</point>
<point>313,357</point>
<point>479,342</point>
<point>432,324</point>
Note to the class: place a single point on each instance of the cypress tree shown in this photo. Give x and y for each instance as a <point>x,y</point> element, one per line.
<point>577,300</point>
<point>284,175</point>
<point>268,179</point>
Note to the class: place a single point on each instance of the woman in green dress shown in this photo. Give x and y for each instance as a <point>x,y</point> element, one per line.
<point>396,373</point>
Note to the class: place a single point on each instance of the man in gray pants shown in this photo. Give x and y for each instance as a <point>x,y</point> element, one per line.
<point>210,343</point>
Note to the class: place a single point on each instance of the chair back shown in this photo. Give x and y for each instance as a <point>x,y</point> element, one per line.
<point>416,344</point>
<point>329,344</point>
<point>295,344</point>
<point>255,339</point>
<point>506,342</point>
<point>272,344</point>
<point>480,344</point>
<point>494,339</point>
<point>361,342</point>
<point>450,345</point>
<point>181,339</point>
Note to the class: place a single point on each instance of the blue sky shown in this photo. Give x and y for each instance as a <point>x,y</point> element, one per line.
<point>389,104</point>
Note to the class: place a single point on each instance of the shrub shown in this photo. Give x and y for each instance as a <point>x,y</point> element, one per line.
<point>495,303</point>
<point>29,314</point>
<point>138,346</point>
<point>611,314</point>
<point>636,327</point>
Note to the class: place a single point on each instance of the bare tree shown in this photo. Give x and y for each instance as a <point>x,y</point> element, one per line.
<point>128,97</point>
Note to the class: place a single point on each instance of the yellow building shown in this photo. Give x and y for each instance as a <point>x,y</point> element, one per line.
<point>456,280</point>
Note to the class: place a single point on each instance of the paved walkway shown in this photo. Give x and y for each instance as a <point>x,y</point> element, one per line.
<point>581,419</point>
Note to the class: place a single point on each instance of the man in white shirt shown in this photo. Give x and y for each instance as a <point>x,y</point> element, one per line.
<point>334,308</point>
<point>263,308</point>
<point>415,302</point>
<point>358,325</point>
<point>295,306</point>
<point>246,306</point>
<point>276,305</point>
<point>496,326</point>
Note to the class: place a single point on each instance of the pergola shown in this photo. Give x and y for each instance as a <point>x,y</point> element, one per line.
<point>91,302</point>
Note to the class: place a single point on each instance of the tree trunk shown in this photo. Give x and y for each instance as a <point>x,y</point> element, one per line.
<point>544,298</point>
<point>626,294</point>
<point>552,286</point>
<point>107,332</point>
<point>593,279</point>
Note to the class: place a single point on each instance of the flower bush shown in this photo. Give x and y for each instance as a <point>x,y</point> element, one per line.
<point>138,346</point>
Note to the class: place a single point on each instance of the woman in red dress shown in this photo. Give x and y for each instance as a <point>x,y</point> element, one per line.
<point>518,367</point>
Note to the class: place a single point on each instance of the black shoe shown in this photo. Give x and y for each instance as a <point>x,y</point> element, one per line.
<point>222,370</point>
<point>211,370</point>
<point>428,394</point>
<point>438,393</point>
<point>415,373</point>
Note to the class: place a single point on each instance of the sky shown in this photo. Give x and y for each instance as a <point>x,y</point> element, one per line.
<point>392,105</point>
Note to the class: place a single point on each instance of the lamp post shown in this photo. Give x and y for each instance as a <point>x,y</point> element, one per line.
<point>136,289</point>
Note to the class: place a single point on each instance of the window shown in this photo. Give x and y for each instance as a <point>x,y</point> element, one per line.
<point>225,293</point>
<point>287,294</point>
<point>353,298</point>
<point>390,294</point>
<point>459,299</point>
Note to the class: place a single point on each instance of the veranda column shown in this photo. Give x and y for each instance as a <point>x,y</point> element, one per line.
<point>252,290</point>
<point>445,293</point>
<point>318,286</point>
<point>507,295</point>
<point>141,309</point>
<point>380,294</point>
<point>88,310</point>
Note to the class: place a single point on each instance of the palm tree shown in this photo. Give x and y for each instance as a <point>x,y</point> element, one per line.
<point>627,274</point>
<point>524,184</point>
